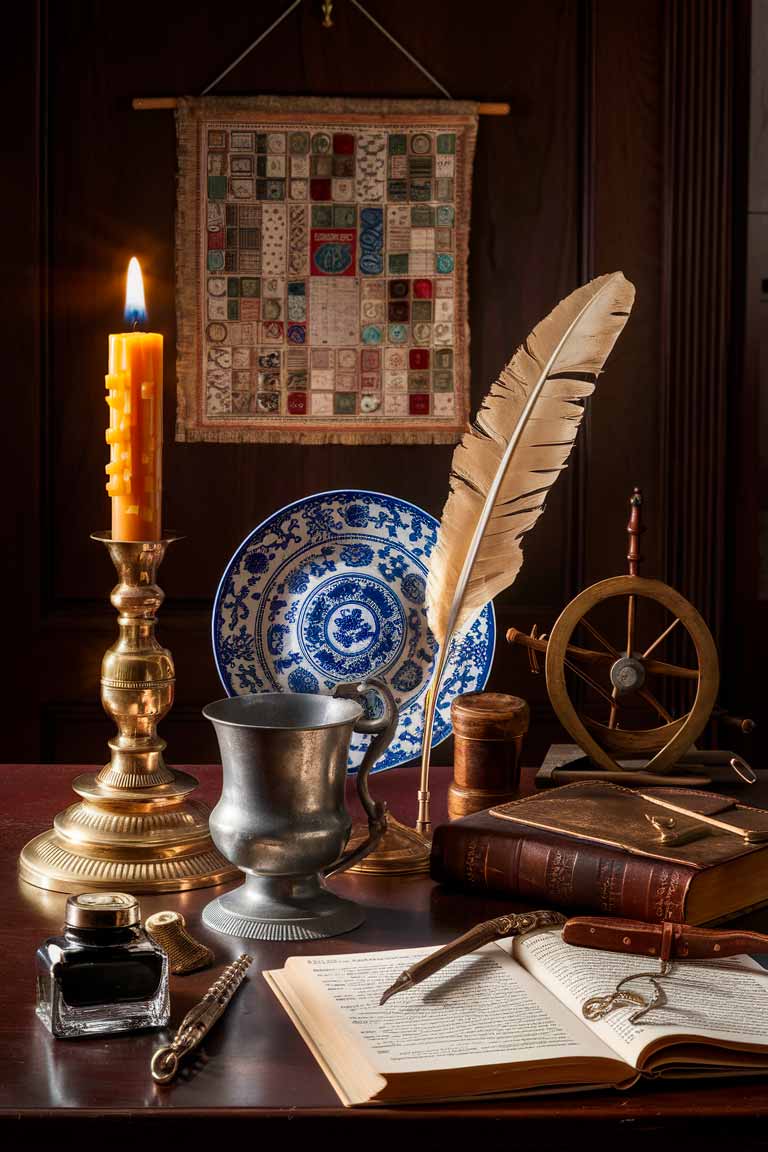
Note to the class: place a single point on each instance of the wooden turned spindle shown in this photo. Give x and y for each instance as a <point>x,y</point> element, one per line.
<point>635,529</point>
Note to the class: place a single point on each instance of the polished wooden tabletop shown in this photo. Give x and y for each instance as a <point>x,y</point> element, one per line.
<point>254,1064</point>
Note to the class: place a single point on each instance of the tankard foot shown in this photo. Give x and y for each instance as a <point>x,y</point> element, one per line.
<point>282,908</point>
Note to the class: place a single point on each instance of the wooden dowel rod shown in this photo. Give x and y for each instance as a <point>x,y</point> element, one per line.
<point>153,103</point>
<point>156,103</point>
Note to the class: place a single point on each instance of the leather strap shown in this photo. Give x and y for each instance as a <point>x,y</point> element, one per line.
<point>668,941</point>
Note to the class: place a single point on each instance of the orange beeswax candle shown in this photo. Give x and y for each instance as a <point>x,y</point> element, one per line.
<point>135,432</point>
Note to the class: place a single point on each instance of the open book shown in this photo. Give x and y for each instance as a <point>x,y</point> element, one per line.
<point>507,1020</point>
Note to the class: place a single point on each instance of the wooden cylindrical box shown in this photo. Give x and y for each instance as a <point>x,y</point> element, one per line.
<point>488,730</point>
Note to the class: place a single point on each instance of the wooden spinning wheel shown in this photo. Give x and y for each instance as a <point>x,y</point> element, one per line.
<point>620,676</point>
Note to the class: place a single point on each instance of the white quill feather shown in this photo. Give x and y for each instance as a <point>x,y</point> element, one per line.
<point>504,466</point>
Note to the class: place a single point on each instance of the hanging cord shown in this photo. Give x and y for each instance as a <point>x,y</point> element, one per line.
<point>432,79</point>
<point>251,47</point>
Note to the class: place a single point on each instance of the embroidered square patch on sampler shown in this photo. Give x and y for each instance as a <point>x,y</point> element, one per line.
<point>321,270</point>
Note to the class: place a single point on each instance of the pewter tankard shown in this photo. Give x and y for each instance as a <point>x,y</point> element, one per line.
<point>281,817</point>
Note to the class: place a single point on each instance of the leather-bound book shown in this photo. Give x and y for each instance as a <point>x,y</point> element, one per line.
<point>613,865</point>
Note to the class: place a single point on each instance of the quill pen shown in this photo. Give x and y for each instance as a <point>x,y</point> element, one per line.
<point>506,463</point>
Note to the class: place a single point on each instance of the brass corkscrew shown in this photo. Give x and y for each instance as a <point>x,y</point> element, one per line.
<point>199,1020</point>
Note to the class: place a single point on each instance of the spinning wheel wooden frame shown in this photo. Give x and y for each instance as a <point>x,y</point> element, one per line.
<point>628,669</point>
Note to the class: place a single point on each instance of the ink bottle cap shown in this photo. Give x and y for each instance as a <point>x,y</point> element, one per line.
<point>102,910</point>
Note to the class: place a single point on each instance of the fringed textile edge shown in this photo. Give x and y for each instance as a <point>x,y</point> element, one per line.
<point>315,436</point>
<point>187,246</point>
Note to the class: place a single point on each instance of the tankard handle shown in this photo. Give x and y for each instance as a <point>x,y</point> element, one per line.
<point>384,728</point>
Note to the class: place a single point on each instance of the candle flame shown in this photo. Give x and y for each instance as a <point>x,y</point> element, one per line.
<point>135,308</point>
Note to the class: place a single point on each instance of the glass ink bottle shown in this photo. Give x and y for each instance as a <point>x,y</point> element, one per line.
<point>103,974</point>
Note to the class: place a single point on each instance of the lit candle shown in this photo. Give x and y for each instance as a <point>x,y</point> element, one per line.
<point>135,432</point>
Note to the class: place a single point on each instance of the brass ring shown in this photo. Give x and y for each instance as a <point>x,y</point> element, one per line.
<point>164,1066</point>
<point>743,770</point>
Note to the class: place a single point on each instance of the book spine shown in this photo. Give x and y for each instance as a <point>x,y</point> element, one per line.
<point>560,873</point>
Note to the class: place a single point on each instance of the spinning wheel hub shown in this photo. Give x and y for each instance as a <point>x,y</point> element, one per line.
<point>627,674</point>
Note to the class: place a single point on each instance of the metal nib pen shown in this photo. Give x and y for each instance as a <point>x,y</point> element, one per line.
<point>199,1020</point>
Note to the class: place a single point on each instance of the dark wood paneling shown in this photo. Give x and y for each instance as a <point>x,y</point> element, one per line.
<point>571,184</point>
<point>709,412</point>
<point>697,252</point>
<point>24,352</point>
<point>112,188</point>
<point>523,248</point>
<point>628,181</point>
<point>745,631</point>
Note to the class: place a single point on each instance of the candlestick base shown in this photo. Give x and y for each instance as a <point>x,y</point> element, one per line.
<point>135,827</point>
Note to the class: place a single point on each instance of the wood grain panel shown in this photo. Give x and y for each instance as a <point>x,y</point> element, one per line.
<point>698,158</point>
<point>758,109</point>
<point>24,358</point>
<point>108,202</point>
<point>746,570</point>
<point>628,190</point>
<point>706,85</point>
<point>523,251</point>
<point>571,184</point>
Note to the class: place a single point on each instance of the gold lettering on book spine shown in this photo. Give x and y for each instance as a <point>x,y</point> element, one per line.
<point>561,865</point>
<point>667,897</point>
<point>474,862</point>
<point>609,877</point>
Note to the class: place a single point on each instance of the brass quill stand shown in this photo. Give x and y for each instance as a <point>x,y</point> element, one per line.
<point>135,827</point>
<point>402,851</point>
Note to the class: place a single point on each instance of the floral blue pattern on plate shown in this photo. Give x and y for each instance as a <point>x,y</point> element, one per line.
<point>331,589</point>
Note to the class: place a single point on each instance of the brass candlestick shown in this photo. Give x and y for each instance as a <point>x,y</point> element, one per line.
<point>135,827</point>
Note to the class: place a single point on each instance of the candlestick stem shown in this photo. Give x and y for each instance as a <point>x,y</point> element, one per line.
<point>135,827</point>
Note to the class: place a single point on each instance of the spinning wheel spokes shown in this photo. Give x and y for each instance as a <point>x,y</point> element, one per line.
<point>647,696</point>
<point>629,670</point>
<point>660,638</point>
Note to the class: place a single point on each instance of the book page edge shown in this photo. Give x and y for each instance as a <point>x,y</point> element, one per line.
<point>273,978</point>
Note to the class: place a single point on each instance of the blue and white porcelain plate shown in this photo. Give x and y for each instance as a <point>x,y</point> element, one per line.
<point>331,589</point>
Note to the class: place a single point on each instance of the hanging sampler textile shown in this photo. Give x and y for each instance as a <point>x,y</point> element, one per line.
<point>321,265</point>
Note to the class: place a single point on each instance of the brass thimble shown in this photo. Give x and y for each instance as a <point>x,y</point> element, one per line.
<point>185,954</point>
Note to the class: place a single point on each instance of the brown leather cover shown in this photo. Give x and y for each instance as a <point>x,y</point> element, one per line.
<point>683,941</point>
<point>617,817</point>
<point>482,853</point>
